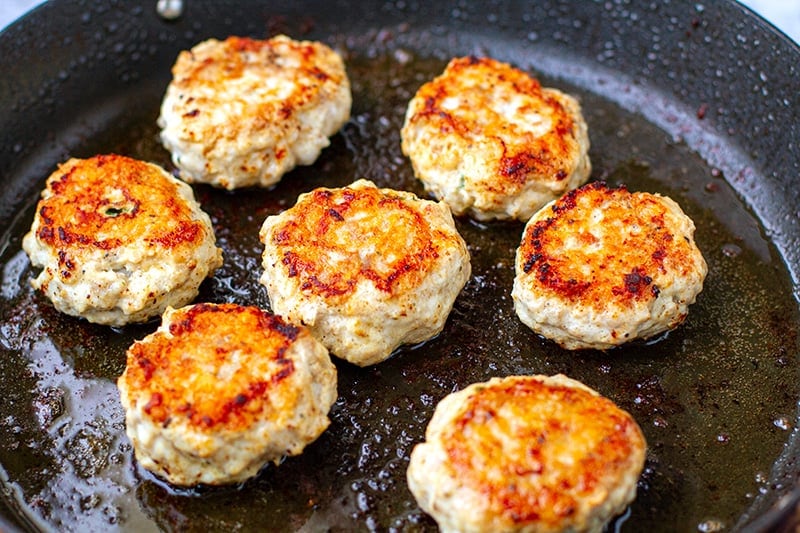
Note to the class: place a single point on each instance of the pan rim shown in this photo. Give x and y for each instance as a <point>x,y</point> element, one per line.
<point>27,23</point>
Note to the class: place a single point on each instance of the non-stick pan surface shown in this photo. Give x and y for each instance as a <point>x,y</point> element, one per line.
<point>698,101</point>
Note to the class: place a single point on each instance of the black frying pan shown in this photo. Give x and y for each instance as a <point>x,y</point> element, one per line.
<point>698,101</point>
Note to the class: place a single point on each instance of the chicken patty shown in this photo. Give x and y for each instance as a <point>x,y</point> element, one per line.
<point>602,266</point>
<point>243,112</point>
<point>366,269</point>
<point>527,453</point>
<point>491,142</point>
<point>118,240</point>
<point>219,390</point>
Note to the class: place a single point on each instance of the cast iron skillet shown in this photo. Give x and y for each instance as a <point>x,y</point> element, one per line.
<point>696,100</point>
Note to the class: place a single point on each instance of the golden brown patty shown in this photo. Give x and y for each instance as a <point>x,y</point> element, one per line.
<point>600,267</point>
<point>527,453</point>
<point>366,269</point>
<point>221,389</point>
<point>491,142</point>
<point>242,111</point>
<point>119,240</point>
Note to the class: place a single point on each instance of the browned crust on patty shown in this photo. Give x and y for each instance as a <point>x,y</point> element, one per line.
<point>109,201</point>
<point>167,369</point>
<point>341,222</point>
<point>625,269</point>
<point>546,157</point>
<point>536,450</point>
<point>197,72</point>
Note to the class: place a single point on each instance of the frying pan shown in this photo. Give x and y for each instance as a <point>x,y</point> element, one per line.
<point>696,100</point>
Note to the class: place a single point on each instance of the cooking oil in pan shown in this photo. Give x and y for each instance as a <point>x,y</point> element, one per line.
<point>715,398</point>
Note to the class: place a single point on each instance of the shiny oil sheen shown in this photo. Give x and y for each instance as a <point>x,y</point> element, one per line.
<point>716,398</point>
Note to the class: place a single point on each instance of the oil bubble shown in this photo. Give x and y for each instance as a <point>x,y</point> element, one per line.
<point>731,250</point>
<point>169,9</point>
<point>782,422</point>
<point>710,526</point>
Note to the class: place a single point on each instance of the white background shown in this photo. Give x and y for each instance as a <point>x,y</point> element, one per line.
<point>785,14</point>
